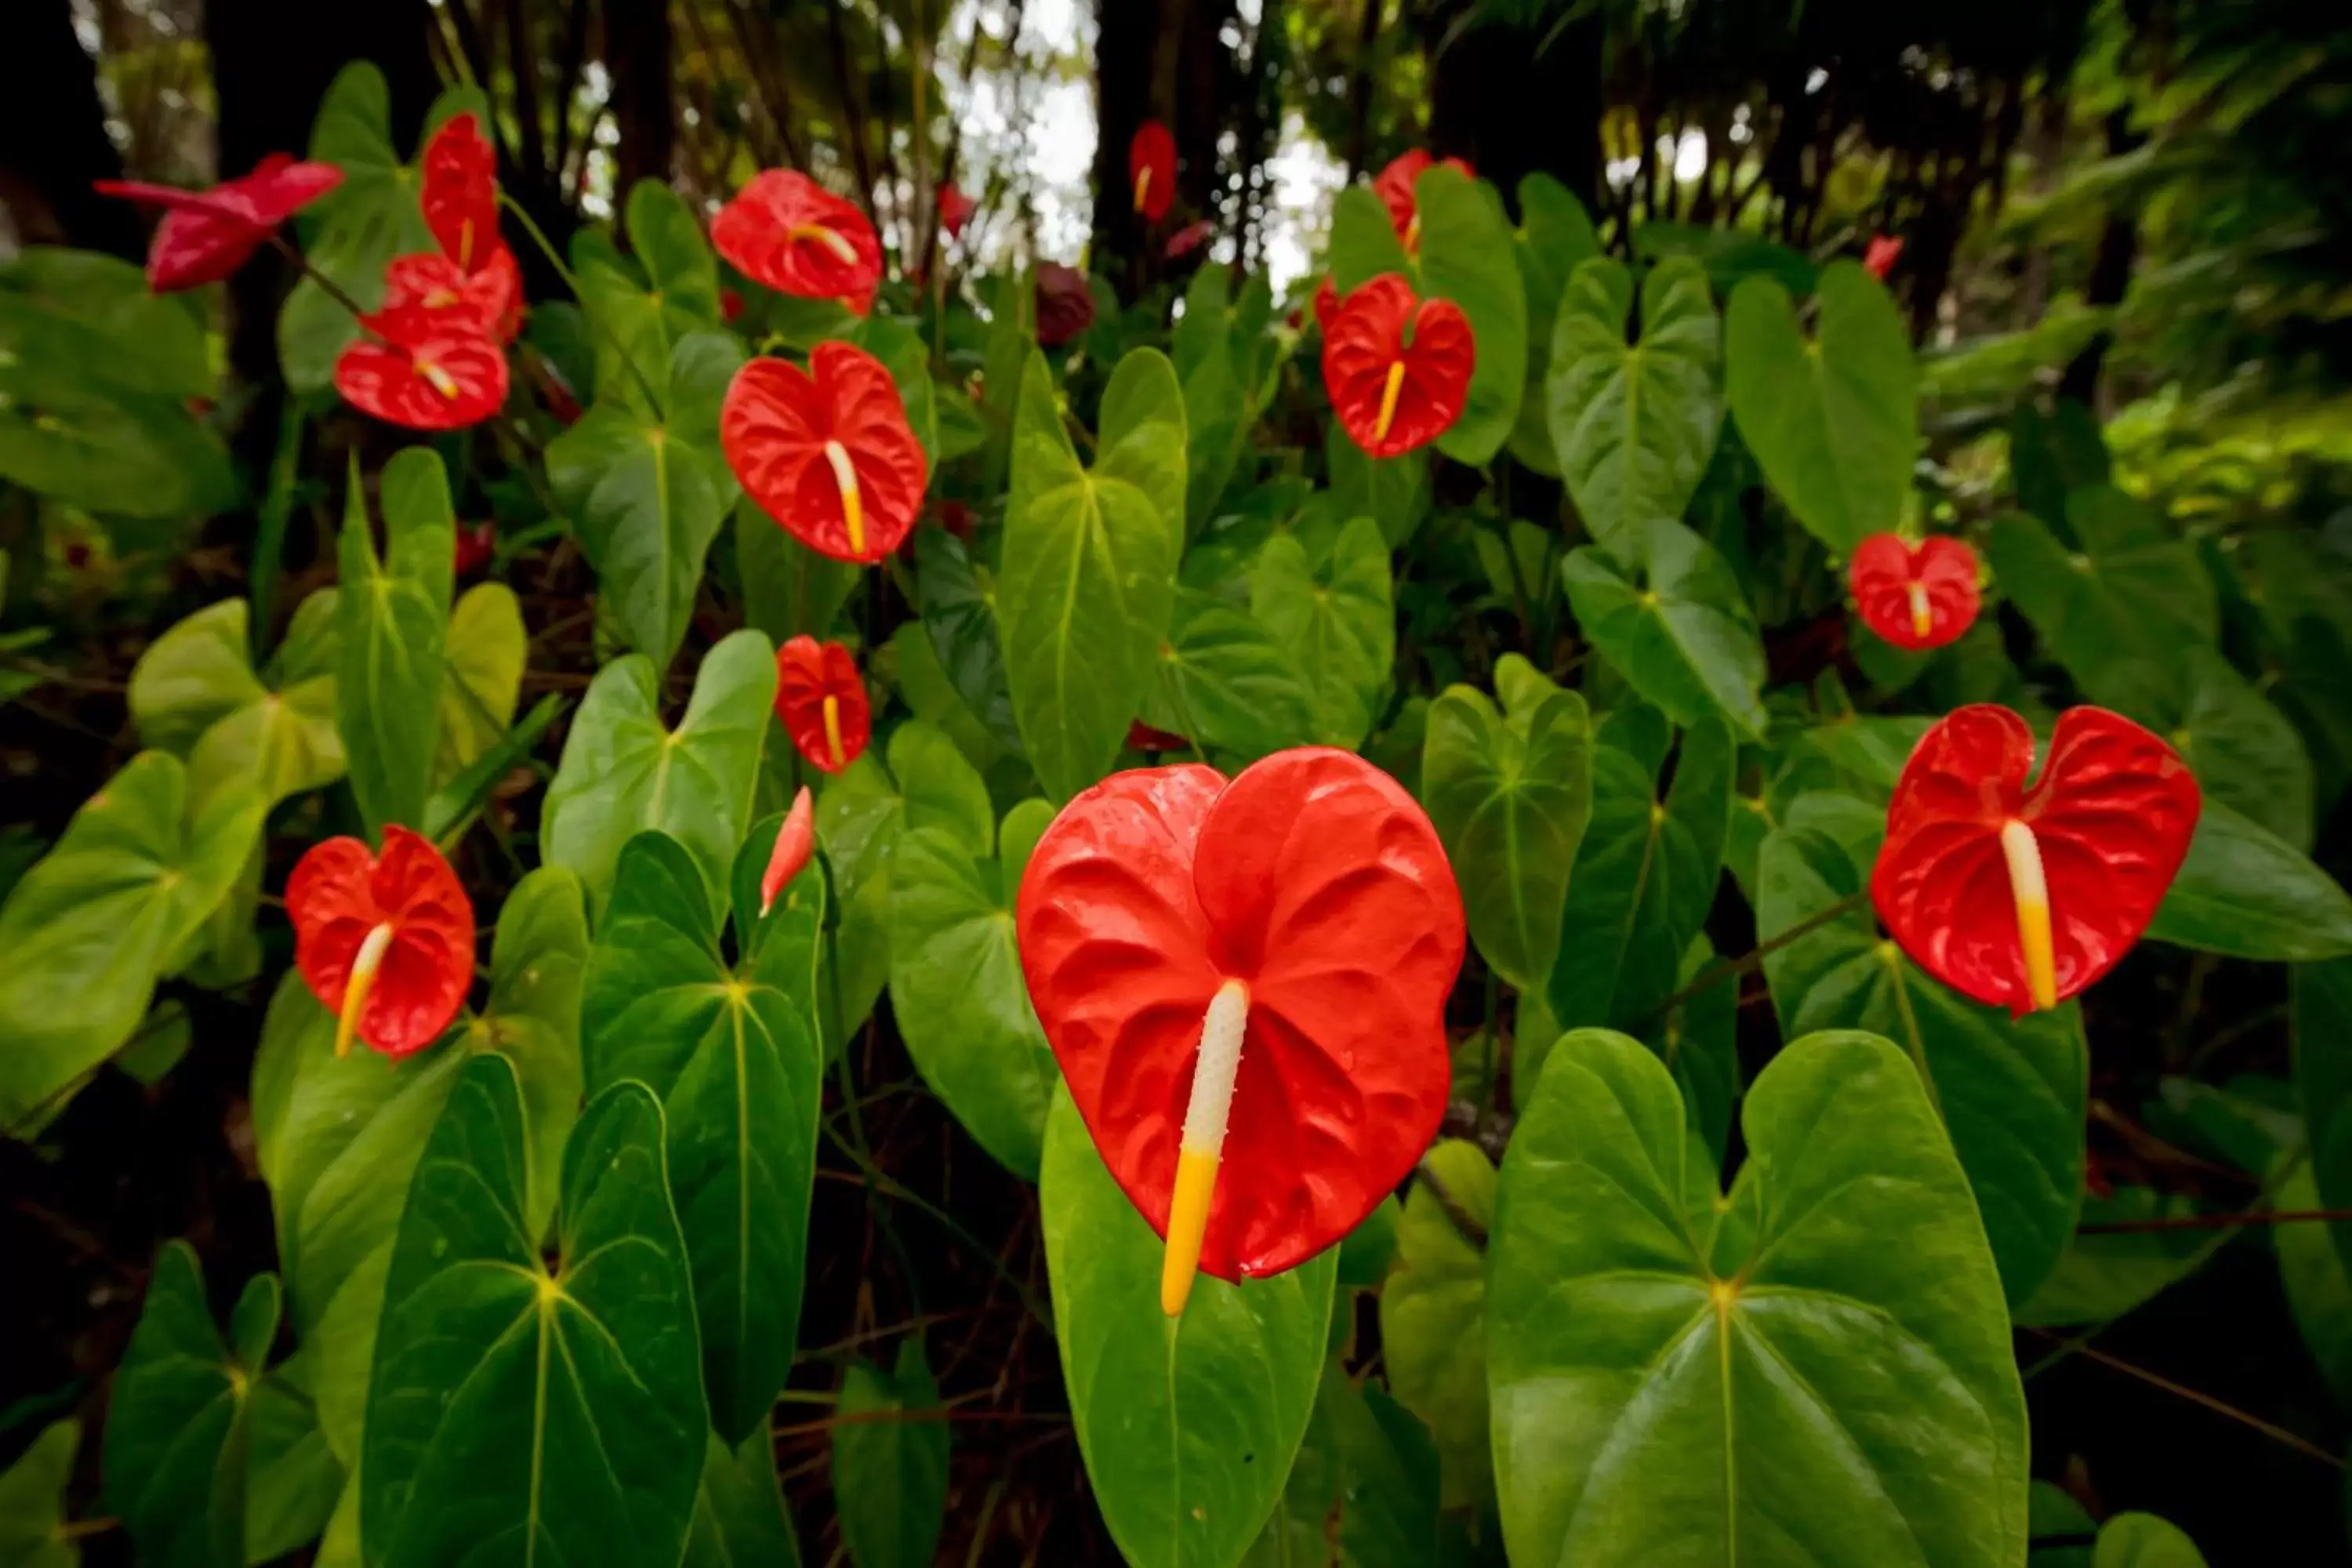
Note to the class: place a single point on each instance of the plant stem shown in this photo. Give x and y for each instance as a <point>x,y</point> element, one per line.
<point>334,291</point>
<point>1725,968</point>
<point>2277,1433</point>
<point>653,402</point>
<point>2215,1221</point>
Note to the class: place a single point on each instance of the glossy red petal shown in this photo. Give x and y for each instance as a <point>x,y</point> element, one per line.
<point>1142,737</point>
<point>785,230</point>
<point>205,236</point>
<point>1327,303</point>
<point>428,296</point>
<point>1885,568</point>
<point>1378,327</point>
<point>808,672</point>
<point>955,209</point>
<point>1878,258</point>
<point>1394,187</point>
<point>339,893</point>
<point>460,194</point>
<point>2112,813</point>
<point>1153,152</point>
<point>431,383</point>
<point>1315,878</point>
<point>773,428</point>
<point>794,840</point>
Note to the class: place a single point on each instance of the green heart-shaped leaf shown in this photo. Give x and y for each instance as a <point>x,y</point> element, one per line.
<point>194,693</point>
<point>1686,640</point>
<point>2134,595</point>
<point>1335,621</point>
<point>392,621</point>
<point>957,991</point>
<point>891,1474</point>
<point>1510,799</point>
<point>180,1423</point>
<point>493,1372</point>
<point>2245,892</point>
<point>1468,255</point>
<point>731,1050</point>
<point>1634,424</point>
<point>1432,1314</point>
<point>647,493</point>
<point>1834,418</point>
<point>1188,1426</point>
<point>624,771</point>
<point>738,1513</point>
<point>1680,1375</point>
<point>110,910</point>
<point>1223,674</point>
<point>1644,879</point>
<point>32,1501</point>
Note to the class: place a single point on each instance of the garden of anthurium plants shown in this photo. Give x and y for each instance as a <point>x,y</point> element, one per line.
<point>1550,785</point>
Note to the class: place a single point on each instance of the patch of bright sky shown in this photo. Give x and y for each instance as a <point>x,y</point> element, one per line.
<point>1036,129</point>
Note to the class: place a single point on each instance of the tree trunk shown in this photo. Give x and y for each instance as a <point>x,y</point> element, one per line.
<point>638,51</point>
<point>1125,41</point>
<point>1511,111</point>
<point>53,140</point>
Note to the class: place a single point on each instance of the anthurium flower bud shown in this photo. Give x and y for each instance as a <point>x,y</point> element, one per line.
<point>1244,982</point>
<point>2020,898</point>
<point>385,942</point>
<point>794,840</point>
<point>1915,597</point>
<point>822,700</point>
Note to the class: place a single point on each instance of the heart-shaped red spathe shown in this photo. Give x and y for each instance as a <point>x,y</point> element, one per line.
<point>460,198</point>
<point>808,672</point>
<point>339,893</point>
<point>1315,879</point>
<point>1381,326</point>
<point>207,234</point>
<point>424,370</point>
<point>1885,568</point>
<point>774,428</point>
<point>2112,813</point>
<point>1394,187</point>
<point>785,230</point>
<point>1151,169</point>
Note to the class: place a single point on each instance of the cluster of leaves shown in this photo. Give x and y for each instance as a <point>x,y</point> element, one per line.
<point>1719,1300</point>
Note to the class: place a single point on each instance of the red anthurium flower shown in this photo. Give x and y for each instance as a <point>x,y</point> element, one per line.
<point>1915,598</point>
<point>1142,737</point>
<point>827,451</point>
<point>731,306</point>
<point>207,234</point>
<point>1879,256</point>
<point>1327,303</point>
<point>785,230</point>
<point>955,209</point>
<point>460,198</point>
<point>425,368</point>
<point>428,294</point>
<point>1188,239</point>
<point>1151,169</point>
<point>2022,896</point>
<point>386,944</point>
<point>1244,982</point>
<point>1395,389</point>
<point>1394,187</point>
<point>1065,304</point>
<point>822,700</point>
<point>794,840</point>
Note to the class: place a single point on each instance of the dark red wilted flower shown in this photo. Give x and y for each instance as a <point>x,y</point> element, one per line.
<point>207,234</point>
<point>786,231</point>
<point>1151,169</point>
<point>1915,598</point>
<point>1142,737</point>
<point>1397,368</point>
<point>958,519</point>
<point>822,700</point>
<point>425,365</point>
<point>2020,897</point>
<point>1295,930</point>
<point>1188,239</point>
<point>385,943</point>
<point>794,840</point>
<point>955,209</point>
<point>475,547</point>
<point>1879,257</point>
<point>1065,304</point>
<point>460,198</point>
<point>1394,187</point>
<point>827,451</point>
